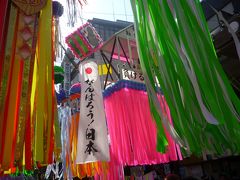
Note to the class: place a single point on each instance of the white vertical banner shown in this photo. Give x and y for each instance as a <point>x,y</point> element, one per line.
<point>92,143</point>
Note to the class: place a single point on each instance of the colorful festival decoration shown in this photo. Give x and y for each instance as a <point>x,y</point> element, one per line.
<point>92,132</point>
<point>58,74</point>
<point>30,7</point>
<point>57,11</point>
<point>17,73</point>
<point>61,96</point>
<point>190,98</point>
<point>27,98</point>
<point>75,89</point>
<point>75,93</point>
<point>84,41</point>
<point>133,132</point>
<point>4,16</point>
<point>69,140</point>
<point>175,48</point>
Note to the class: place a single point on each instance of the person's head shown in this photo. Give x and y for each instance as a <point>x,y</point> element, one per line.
<point>172,177</point>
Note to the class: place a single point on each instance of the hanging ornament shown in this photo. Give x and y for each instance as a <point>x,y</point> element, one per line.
<point>75,88</point>
<point>61,96</point>
<point>30,7</point>
<point>84,41</point>
<point>57,11</point>
<point>58,74</point>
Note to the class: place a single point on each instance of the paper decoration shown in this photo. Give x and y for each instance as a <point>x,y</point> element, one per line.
<point>84,41</point>
<point>92,133</point>
<point>30,7</point>
<point>181,56</point>
<point>58,74</point>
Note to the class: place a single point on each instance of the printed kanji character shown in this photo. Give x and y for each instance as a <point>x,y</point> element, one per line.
<point>90,134</point>
<point>90,149</point>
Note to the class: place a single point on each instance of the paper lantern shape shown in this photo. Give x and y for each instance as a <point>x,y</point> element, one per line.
<point>61,96</point>
<point>57,9</point>
<point>84,41</point>
<point>75,92</point>
<point>75,89</point>
<point>58,74</point>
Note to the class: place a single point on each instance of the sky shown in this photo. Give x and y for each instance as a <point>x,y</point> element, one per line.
<point>108,9</point>
<point>102,9</point>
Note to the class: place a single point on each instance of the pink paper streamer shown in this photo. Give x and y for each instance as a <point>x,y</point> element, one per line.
<point>133,132</point>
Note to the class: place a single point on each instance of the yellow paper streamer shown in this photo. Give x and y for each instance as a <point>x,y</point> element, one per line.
<point>33,100</point>
<point>43,112</point>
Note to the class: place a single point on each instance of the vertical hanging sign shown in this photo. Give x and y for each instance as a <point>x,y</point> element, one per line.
<point>92,130</point>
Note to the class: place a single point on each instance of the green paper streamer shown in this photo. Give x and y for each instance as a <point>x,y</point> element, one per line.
<point>175,47</point>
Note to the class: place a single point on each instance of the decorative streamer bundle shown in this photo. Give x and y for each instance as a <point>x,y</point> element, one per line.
<point>15,87</point>
<point>27,112</point>
<point>133,133</point>
<point>175,47</point>
<point>44,98</point>
<point>65,121</point>
<point>72,10</point>
<point>128,145</point>
<point>69,139</point>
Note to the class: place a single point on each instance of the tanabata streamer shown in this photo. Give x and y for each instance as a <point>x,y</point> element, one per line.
<point>27,112</point>
<point>6,64</point>
<point>133,132</point>
<point>93,143</point>
<point>44,97</point>
<point>69,138</point>
<point>175,46</point>
<point>15,86</point>
<point>4,16</point>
